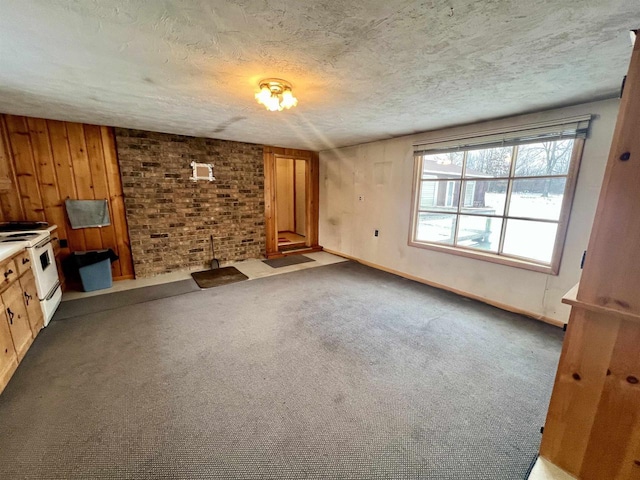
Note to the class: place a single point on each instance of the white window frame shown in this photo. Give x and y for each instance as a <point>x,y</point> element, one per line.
<point>575,129</point>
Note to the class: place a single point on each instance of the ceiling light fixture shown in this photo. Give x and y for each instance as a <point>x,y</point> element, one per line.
<point>276,95</point>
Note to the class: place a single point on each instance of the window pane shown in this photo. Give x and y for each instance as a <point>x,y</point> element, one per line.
<point>489,162</point>
<point>436,227</point>
<point>484,197</point>
<point>479,232</point>
<point>440,195</point>
<point>537,198</point>
<point>545,158</point>
<point>532,240</point>
<point>442,165</point>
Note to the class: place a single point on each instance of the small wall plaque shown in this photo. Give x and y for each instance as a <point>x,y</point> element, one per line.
<point>202,171</point>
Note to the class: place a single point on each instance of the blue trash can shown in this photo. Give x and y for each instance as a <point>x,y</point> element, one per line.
<point>96,276</point>
<point>94,267</point>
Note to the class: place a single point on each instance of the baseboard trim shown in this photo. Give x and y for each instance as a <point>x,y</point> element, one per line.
<point>124,277</point>
<point>488,301</point>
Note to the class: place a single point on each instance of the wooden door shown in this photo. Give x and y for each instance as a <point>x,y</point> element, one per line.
<point>271,155</point>
<point>8,356</point>
<point>31,302</point>
<point>18,319</point>
<point>285,194</point>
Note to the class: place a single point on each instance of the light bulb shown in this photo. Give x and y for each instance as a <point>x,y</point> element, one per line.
<point>264,95</point>
<point>288,100</point>
<point>273,104</point>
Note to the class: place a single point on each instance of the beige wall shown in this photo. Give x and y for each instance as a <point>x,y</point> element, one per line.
<point>382,172</point>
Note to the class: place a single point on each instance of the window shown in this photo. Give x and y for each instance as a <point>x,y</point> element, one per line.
<point>503,197</point>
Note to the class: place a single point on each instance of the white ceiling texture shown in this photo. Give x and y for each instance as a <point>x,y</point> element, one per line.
<point>362,70</point>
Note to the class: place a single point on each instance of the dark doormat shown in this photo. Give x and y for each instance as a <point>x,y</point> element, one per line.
<point>288,260</point>
<point>219,276</point>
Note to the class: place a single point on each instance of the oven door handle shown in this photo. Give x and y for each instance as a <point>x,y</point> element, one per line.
<point>43,243</point>
<point>52,292</point>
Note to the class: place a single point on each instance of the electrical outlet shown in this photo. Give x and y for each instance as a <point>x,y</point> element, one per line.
<point>361,198</point>
<point>375,232</point>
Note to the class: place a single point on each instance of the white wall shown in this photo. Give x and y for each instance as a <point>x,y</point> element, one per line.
<point>383,173</point>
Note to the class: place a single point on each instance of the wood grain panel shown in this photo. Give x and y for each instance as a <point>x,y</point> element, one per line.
<point>116,200</point>
<point>66,182</point>
<point>45,171</point>
<point>618,414</point>
<point>95,154</point>
<point>20,145</point>
<point>10,204</point>
<point>54,161</point>
<point>582,370</point>
<point>83,178</point>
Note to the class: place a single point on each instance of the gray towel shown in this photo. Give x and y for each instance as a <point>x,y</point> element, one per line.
<point>87,213</point>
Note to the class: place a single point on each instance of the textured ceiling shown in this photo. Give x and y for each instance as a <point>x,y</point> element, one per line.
<point>362,70</point>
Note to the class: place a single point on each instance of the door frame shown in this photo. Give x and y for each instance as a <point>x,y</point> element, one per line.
<point>312,178</point>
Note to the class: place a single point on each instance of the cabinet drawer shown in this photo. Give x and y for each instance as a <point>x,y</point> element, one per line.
<point>23,262</point>
<point>8,273</point>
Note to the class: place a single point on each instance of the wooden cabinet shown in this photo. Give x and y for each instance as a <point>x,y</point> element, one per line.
<point>18,318</point>
<point>31,302</point>
<point>21,317</point>
<point>8,356</point>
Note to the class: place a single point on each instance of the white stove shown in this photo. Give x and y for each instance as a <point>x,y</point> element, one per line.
<point>43,264</point>
<point>30,238</point>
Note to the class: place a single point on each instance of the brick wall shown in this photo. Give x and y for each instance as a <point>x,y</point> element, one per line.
<point>170,217</point>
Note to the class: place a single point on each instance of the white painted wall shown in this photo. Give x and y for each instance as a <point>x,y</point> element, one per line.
<point>383,173</point>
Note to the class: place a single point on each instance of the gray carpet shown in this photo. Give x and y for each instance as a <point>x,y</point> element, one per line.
<point>287,260</point>
<point>332,372</point>
<point>110,301</point>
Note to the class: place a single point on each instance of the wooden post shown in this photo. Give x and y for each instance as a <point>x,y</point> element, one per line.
<point>593,423</point>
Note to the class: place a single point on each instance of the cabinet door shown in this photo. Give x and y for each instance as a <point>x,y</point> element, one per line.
<point>31,302</point>
<point>23,262</point>
<point>8,272</point>
<point>18,319</point>
<point>8,357</point>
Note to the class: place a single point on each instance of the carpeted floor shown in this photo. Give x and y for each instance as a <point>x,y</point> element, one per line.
<point>333,372</point>
<point>110,301</point>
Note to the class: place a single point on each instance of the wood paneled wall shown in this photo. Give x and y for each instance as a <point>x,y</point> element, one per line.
<point>45,162</point>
